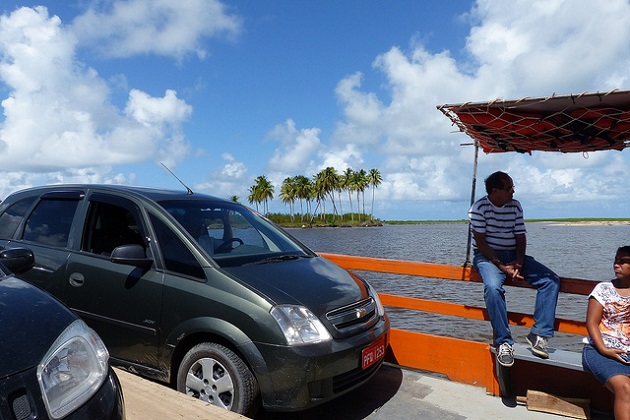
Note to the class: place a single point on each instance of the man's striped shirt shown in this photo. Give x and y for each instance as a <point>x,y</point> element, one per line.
<point>499,224</point>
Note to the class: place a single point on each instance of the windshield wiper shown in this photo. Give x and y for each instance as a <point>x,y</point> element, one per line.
<point>279,259</point>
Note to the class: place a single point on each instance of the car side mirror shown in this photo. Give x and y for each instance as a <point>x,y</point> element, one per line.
<point>131,255</point>
<point>18,260</point>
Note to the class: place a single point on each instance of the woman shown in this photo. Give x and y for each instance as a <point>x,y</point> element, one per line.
<point>607,351</point>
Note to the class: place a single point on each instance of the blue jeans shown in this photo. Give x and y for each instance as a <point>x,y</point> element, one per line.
<point>602,367</point>
<point>543,279</point>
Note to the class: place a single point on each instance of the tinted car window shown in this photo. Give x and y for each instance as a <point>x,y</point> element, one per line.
<point>50,222</point>
<point>110,226</point>
<point>177,256</point>
<point>11,219</point>
<point>231,234</point>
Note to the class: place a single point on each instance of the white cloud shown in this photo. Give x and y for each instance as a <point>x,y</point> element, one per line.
<point>296,147</point>
<point>233,169</point>
<point>161,27</point>
<point>362,111</point>
<point>227,181</point>
<point>340,159</point>
<point>58,112</point>
<point>539,47</point>
<point>150,111</point>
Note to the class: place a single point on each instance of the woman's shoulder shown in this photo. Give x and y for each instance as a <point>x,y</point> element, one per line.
<point>604,285</point>
<point>605,290</point>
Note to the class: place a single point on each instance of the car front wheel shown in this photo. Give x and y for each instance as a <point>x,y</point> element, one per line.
<point>215,374</point>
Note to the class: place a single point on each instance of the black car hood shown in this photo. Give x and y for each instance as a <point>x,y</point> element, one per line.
<point>30,320</point>
<point>313,282</point>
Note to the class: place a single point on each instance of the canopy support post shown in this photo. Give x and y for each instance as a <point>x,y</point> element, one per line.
<point>472,201</point>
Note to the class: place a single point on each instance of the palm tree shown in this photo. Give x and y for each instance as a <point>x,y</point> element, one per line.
<point>234,198</point>
<point>261,192</point>
<point>346,183</point>
<point>264,191</point>
<point>359,184</point>
<point>375,179</point>
<point>339,190</point>
<point>288,193</point>
<point>252,198</point>
<point>303,192</point>
<point>327,182</point>
<point>323,185</point>
<point>319,194</point>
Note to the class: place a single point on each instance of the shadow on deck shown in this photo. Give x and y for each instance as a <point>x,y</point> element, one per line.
<point>397,394</point>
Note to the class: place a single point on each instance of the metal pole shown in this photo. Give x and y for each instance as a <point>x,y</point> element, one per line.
<point>472,201</point>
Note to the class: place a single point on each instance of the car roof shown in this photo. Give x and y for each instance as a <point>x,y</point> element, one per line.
<point>152,193</point>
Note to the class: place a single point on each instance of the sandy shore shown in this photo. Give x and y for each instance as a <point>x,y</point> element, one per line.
<point>589,223</point>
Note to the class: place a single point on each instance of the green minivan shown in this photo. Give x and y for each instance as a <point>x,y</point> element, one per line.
<point>201,293</point>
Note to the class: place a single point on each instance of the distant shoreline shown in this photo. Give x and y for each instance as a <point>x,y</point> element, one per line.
<point>588,222</point>
<point>553,222</point>
<point>557,222</point>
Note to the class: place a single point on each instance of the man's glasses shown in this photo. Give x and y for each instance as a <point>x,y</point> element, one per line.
<point>510,188</point>
<point>621,261</point>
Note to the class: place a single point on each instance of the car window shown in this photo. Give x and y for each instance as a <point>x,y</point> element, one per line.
<point>13,216</point>
<point>50,222</point>
<point>230,233</point>
<point>177,257</point>
<point>109,226</point>
<point>224,224</point>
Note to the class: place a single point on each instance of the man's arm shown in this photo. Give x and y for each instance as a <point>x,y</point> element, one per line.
<point>485,249</point>
<point>521,246</point>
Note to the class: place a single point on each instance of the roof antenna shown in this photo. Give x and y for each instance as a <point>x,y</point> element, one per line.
<point>190,192</point>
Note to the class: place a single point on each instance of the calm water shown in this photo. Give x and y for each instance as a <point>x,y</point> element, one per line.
<point>579,251</point>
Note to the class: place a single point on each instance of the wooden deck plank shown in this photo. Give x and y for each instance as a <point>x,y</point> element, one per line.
<point>145,399</point>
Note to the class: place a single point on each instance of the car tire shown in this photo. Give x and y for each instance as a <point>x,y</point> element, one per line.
<point>215,374</point>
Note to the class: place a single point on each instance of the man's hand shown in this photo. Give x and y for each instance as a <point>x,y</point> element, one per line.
<point>513,269</point>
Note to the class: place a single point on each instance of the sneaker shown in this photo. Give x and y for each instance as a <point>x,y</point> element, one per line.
<point>539,345</point>
<point>505,355</point>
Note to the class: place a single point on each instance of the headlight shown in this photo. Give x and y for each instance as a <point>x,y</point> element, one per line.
<point>299,325</point>
<point>73,369</point>
<point>379,306</point>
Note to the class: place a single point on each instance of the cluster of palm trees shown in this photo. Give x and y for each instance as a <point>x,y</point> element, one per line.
<point>319,190</point>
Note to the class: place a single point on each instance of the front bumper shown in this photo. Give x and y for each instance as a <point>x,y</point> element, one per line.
<point>305,376</point>
<point>20,398</point>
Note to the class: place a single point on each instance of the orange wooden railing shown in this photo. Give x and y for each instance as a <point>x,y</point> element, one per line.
<point>444,354</point>
<point>451,272</point>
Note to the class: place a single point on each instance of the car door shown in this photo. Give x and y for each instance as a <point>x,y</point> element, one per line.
<point>121,302</point>
<point>47,230</point>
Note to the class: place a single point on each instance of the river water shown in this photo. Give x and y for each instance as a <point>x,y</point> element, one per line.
<point>583,251</point>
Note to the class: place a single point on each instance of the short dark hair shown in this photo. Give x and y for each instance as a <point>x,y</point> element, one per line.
<point>623,251</point>
<point>495,180</point>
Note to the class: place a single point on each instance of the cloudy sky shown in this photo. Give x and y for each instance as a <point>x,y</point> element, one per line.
<point>105,91</point>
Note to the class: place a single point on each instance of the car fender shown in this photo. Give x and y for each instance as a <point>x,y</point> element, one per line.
<point>188,333</point>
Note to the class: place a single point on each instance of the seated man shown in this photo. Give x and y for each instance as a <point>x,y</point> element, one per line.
<point>499,244</point>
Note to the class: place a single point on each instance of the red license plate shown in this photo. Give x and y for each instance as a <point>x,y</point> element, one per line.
<point>372,354</point>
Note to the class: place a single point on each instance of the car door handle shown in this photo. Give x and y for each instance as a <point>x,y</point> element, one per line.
<point>77,279</point>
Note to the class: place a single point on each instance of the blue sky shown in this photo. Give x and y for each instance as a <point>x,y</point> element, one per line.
<point>222,92</point>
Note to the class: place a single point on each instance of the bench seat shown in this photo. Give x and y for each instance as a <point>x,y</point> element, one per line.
<point>561,358</point>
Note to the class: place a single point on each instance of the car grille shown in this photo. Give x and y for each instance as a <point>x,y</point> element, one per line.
<point>353,319</point>
<point>16,399</point>
<point>21,406</point>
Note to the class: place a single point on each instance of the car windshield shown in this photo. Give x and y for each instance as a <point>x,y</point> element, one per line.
<point>233,234</point>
